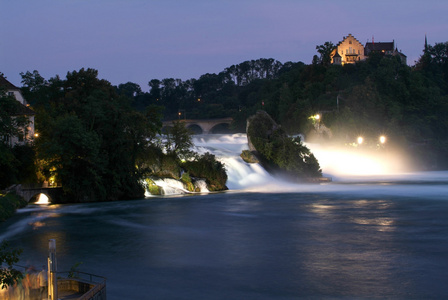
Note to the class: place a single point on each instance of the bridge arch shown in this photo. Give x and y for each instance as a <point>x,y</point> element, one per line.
<point>195,128</point>
<point>207,125</point>
<point>220,128</point>
<point>29,192</point>
<point>36,198</point>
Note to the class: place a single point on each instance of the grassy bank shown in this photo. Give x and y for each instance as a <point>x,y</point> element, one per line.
<point>8,205</point>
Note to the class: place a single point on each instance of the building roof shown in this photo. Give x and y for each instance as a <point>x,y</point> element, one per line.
<point>386,46</point>
<point>6,84</point>
<point>346,37</point>
<point>24,111</point>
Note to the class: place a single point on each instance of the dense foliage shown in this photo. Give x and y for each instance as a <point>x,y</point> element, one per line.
<point>380,95</point>
<point>8,205</point>
<point>95,144</point>
<point>90,137</point>
<point>206,166</point>
<point>99,140</point>
<point>16,162</point>
<point>278,152</point>
<point>8,257</point>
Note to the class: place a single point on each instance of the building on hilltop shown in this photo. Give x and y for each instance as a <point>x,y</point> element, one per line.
<point>350,51</point>
<point>26,133</point>
<point>384,48</point>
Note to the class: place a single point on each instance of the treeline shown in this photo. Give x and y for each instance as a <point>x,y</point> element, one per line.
<point>98,147</point>
<point>377,96</point>
<point>95,137</point>
<point>210,96</point>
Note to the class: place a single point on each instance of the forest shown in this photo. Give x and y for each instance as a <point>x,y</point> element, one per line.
<point>99,140</point>
<point>378,96</point>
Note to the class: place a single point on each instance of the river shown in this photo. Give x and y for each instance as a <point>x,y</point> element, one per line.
<point>375,235</point>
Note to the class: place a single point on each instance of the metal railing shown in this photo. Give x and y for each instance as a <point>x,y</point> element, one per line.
<point>86,277</point>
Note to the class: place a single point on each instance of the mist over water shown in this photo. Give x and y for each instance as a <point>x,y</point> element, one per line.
<point>355,171</point>
<point>379,233</point>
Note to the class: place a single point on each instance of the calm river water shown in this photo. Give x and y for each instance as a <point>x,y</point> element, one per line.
<point>382,236</point>
<point>349,239</point>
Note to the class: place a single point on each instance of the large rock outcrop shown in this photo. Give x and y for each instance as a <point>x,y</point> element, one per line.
<point>278,153</point>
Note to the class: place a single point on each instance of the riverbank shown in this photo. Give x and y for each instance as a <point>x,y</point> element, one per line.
<point>9,202</point>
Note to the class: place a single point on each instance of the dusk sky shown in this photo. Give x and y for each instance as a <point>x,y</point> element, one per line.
<point>138,40</point>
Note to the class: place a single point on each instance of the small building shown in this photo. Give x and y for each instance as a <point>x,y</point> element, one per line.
<point>384,48</point>
<point>350,51</point>
<point>28,132</point>
<point>337,59</point>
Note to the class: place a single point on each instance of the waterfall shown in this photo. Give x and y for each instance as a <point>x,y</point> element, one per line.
<point>171,186</point>
<point>340,164</point>
<point>227,149</point>
<point>201,185</point>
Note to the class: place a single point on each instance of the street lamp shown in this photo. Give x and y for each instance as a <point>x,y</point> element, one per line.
<point>360,140</point>
<point>382,139</point>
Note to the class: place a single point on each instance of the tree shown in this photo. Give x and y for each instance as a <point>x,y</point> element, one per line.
<point>34,86</point>
<point>9,257</point>
<point>12,123</point>
<point>325,53</point>
<point>129,89</point>
<point>11,119</point>
<point>90,139</point>
<point>179,141</point>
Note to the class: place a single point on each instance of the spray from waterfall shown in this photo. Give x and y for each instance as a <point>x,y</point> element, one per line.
<point>340,164</point>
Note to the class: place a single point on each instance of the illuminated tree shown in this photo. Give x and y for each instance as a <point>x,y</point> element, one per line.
<point>9,275</point>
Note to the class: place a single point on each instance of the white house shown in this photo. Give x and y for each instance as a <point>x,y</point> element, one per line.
<point>28,132</point>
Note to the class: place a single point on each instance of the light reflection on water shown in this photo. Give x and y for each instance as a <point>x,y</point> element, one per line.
<point>249,245</point>
<point>359,237</point>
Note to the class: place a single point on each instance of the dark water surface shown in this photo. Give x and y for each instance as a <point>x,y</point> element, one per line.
<point>236,245</point>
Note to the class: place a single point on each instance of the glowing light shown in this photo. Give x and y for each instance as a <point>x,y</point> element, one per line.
<point>36,135</point>
<point>344,162</point>
<point>317,117</point>
<point>382,139</point>
<point>42,199</point>
<point>360,140</point>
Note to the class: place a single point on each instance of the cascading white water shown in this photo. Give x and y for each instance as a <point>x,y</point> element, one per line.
<point>171,186</point>
<point>201,185</point>
<point>227,149</point>
<point>343,165</point>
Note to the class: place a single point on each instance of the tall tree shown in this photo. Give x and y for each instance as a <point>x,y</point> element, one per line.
<point>92,138</point>
<point>325,53</point>
<point>9,257</point>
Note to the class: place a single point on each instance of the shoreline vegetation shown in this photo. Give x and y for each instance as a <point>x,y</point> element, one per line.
<point>278,153</point>
<point>100,142</point>
<point>9,203</point>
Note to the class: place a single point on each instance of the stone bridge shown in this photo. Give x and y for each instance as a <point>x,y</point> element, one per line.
<point>201,126</point>
<point>28,192</point>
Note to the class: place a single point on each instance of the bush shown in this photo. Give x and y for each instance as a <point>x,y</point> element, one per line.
<point>186,180</point>
<point>152,187</point>
<point>8,205</point>
<point>206,166</point>
<point>278,152</point>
